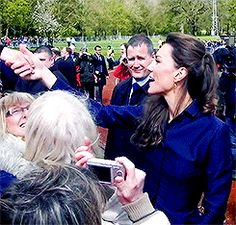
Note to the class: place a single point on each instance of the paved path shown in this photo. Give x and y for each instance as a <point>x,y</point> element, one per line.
<point>107,92</point>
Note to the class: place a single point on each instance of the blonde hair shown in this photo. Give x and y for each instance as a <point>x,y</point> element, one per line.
<point>9,100</point>
<point>57,124</point>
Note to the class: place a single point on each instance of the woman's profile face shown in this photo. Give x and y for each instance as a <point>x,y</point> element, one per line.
<point>163,71</point>
<point>16,117</point>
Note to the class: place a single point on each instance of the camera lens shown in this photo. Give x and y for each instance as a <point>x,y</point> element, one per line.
<point>119,173</point>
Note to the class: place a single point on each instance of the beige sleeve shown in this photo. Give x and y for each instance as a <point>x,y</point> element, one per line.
<point>114,213</point>
<point>142,212</point>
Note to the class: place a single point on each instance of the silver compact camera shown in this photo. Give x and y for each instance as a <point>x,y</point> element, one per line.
<point>106,170</point>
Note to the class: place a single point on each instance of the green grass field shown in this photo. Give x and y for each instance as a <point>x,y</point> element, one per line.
<point>116,44</point>
<point>90,46</point>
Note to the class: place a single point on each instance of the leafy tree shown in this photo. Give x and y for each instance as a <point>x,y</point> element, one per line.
<point>98,18</point>
<point>44,18</point>
<point>184,15</point>
<point>16,16</point>
<point>227,16</point>
<point>113,17</point>
<point>70,14</point>
<point>140,16</point>
<point>118,17</point>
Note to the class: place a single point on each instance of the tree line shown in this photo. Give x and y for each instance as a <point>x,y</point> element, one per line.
<point>113,17</point>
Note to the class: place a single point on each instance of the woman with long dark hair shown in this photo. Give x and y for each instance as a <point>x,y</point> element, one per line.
<point>185,147</point>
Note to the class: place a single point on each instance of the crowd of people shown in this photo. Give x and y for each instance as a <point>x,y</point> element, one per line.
<point>163,120</point>
<point>29,41</point>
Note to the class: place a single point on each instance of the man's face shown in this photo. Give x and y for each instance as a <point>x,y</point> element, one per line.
<point>64,53</point>
<point>45,59</point>
<point>98,51</point>
<point>138,60</point>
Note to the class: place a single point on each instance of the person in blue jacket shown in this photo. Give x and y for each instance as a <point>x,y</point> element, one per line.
<point>185,147</point>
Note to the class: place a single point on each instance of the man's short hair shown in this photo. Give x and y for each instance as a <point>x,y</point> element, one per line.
<point>54,195</point>
<point>138,40</point>
<point>44,48</point>
<point>56,51</point>
<point>69,50</point>
<point>97,46</point>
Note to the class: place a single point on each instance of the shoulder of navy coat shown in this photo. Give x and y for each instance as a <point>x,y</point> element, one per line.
<point>5,180</point>
<point>120,94</point>
<point>8,77</point>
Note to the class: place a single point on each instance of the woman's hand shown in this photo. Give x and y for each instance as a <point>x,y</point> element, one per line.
<point>129,188</point>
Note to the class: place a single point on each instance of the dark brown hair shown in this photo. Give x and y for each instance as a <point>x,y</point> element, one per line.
<point>190,53</point>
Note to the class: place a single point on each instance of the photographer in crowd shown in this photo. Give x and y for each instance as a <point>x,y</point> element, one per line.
<point>86,72</point>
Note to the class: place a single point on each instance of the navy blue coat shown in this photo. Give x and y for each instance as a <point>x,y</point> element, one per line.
<point>5,180</point>
<point>227,85</point>
<point>118,139</point>
<point>8,77</point>
<point>194,157</point>
<point>67,68</point>
<point>35,86</point>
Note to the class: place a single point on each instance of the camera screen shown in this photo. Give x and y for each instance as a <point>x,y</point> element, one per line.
<point>103,173</point>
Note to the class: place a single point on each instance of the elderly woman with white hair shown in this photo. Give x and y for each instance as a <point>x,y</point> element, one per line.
<point>13,115</point>
<point>58,123</point>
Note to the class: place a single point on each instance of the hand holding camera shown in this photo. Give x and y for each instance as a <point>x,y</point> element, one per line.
<point>106,170</point>
<point>121,173</point>
<point>130,187</point>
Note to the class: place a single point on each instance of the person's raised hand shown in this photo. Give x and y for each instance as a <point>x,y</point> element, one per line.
<point>129,188</point>
<point>39,70</point>
<point>18,60</point>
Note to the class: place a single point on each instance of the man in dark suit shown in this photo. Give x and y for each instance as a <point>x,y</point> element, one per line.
<point>67,68</point>
<point>66,54</point>
<point>130,92</point>
<point>100,73</point>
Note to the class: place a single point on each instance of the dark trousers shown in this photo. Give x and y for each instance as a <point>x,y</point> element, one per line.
<point>110,63</point>
<point>98,92</point>
<point>89,88</point>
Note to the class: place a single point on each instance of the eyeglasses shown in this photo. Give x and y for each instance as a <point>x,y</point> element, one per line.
<point>17,111</point>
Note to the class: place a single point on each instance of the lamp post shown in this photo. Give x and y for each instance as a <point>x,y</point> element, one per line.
<point>214,28</point>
